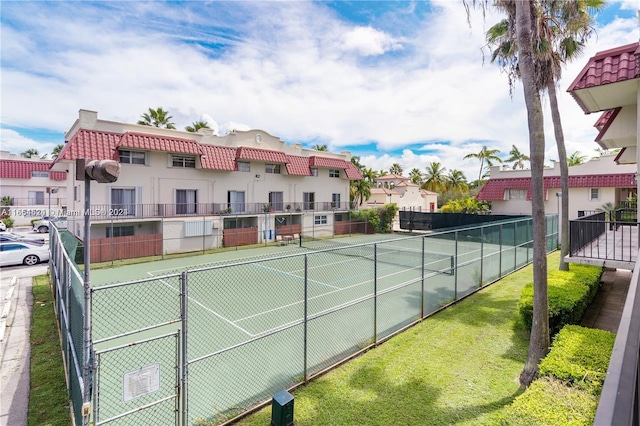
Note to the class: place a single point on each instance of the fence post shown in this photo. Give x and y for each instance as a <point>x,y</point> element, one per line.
<point>482,256</point>
<point>455,272</point>
<point>501,248</point>
<point>422,282</point>
<point>375,294</point>
<point>184,289</point>
<point>306,315</point>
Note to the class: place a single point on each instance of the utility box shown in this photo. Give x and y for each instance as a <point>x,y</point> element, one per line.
<point>282,409</point>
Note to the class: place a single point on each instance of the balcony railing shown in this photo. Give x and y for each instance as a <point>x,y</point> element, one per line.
<point>126,210</point>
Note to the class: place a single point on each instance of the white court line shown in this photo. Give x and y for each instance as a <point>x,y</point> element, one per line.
<point>207,308</point>
<point>297,277</point>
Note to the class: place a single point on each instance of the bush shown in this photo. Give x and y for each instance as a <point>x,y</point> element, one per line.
<point>8,222</point>
<point>548,401</point>
<point>579,356</point>
<point>570,293</point>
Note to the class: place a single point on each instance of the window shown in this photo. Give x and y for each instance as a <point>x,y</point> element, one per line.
<point>308,200</point>
<point>186,201</point>
<point>236,201</point>
<point>334,173</point>
<point>320,220</point>
<point>133,157</point>
<point>516,194</point>
<point>186,161</point>
<point>39,173</point>
<point>335,200</point>
<point>36,197</point>
<point>594,194</point>
<point>314,172</point>
<point>76,193</point>
<point>123,201</point>
<point>275,201</point>
<point>272,168</point>
<point>120,231</point>
<point>244,166</point>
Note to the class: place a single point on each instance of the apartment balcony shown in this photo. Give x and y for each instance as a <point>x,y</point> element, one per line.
<point>126,211</point>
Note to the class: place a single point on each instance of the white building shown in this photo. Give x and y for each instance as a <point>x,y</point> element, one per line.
<point>406,195</point>
<point>193,186</point>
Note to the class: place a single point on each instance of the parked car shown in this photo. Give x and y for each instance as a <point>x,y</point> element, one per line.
<point>43,224</point>
<point>13,238</point>
<point>22,254</point>
<point>3,227</point>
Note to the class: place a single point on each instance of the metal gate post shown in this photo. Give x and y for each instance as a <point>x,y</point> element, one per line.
<point>183,401</point>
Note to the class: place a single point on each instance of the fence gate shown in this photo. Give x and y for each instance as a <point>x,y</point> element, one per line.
<point>138,383</point>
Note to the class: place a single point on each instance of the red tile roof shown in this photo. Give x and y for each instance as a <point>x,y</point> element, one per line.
<point>216,157</point>
<point>159,143</point>
<point>16,169</point>
<point>351,171</point>
<point>268,156</point>
<point>609,66</point>
<point>298,165</point>
<point>91,144</point>
<point>494,189</point>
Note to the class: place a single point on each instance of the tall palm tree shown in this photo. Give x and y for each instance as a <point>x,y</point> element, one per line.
<point>485,154</point>
<point>57,150</point>
<point>320,147</point>
<point>396,169</point>
<point>197,125</point>
<point>360,191</point>
<point>517,158</point>
<point>355,160</point>
<point>157,118</point>
<point>457,182</point>
<point>29,153</point>
<point>575,159</point>
<point>561,29</point>
<point>369,175</point>
<point>434,178</point>
<point>415,175</point>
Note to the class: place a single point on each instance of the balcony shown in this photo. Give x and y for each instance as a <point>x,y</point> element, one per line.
<point>146,211</point>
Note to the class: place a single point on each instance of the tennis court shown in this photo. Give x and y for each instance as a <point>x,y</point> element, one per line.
<point>230,331</point>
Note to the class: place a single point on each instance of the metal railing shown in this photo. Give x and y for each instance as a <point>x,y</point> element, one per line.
<point>595,237</point>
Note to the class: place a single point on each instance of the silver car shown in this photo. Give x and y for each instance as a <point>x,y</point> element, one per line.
<point>22,254</point>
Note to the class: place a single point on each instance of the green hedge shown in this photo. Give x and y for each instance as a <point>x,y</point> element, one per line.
<point>570,293</point>
<point>570,382</point>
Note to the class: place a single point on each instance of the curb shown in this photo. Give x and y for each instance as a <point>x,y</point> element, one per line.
<point>7,306</point>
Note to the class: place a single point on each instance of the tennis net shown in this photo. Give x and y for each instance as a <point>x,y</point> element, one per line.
<point>384,253</point>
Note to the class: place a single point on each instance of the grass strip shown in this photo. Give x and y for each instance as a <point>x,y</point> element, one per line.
<point>460,366</point>
<point>48,403</point>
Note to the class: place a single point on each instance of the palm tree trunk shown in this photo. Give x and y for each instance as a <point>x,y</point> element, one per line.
<point>564,175</point>
<point>539,340</point>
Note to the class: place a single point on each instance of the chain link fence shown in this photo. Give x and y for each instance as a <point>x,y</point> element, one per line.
<point>206,344</point>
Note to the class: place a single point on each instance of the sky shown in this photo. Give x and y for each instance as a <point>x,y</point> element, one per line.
<point>405,82</point>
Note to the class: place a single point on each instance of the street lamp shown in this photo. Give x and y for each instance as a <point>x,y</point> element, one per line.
<point>50,191</point>
<point>102,171</point>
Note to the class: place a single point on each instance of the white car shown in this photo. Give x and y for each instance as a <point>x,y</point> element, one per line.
<point>22,254</point>
<point>3,227</point>
<point>42,225</point>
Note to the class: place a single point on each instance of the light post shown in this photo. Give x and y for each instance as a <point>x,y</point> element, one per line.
<point>50,191</point>
<point>558,196</point>
<point>102,171</point>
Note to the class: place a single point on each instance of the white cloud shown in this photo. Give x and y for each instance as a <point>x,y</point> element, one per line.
<point>15,143</point>
<point>368,41</point>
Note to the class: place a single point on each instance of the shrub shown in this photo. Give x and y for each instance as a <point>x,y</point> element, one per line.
<point>570,293</point>
<point>579,356</point>
<point>8,222</point>
<point>548,401</point>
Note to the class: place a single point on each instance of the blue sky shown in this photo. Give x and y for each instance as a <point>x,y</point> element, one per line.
<point>390,81</point>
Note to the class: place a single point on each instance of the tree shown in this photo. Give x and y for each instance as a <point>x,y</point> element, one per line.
<point>434,179</point>
<point>29,153</point>
<point>320,147</point>
<point>575,159</point>
<point>369,175</point>
<point>457,182</point>
<point>517,158</point>
<point>396,169</point>
<point>197,125</point>
<point>360,191</point>
<point>57,150</point>
<point>157,118</point>
<point>485,154</point>
<point>415,175</point>
<point>539,338</point>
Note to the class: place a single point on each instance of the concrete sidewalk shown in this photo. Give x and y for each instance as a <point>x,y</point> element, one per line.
<point>16,354</point>
<point>606,309</point>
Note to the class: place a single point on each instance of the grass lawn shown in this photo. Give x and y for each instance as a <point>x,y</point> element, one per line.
<point>460,366</point>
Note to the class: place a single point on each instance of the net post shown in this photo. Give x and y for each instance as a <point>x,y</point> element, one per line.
<point>184,369</point>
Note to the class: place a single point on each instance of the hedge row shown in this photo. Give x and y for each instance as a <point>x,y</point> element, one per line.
<point>570,381</point>
<point>570,293</point>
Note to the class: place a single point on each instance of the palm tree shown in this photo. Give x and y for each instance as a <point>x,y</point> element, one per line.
<point>197,125</point>
<point>518,158</point>
<point>320,147</point>
<point>396,169</point>
<point>415,175</point>
<point>29,153</point>
<point>575,159</point>
<point>157,118</point>
<point>457,182</point>
<point>355,160</point>
<point>369,175</point>
<point>360,191</point>
<point>485,154</point>
<point>57,150</point>
<point>434,179</point>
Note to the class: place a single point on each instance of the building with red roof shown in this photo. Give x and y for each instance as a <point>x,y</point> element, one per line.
<point>243,180</point>
<point>399,190</point>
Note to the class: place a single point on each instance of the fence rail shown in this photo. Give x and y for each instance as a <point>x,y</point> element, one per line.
<point>211,342</point>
